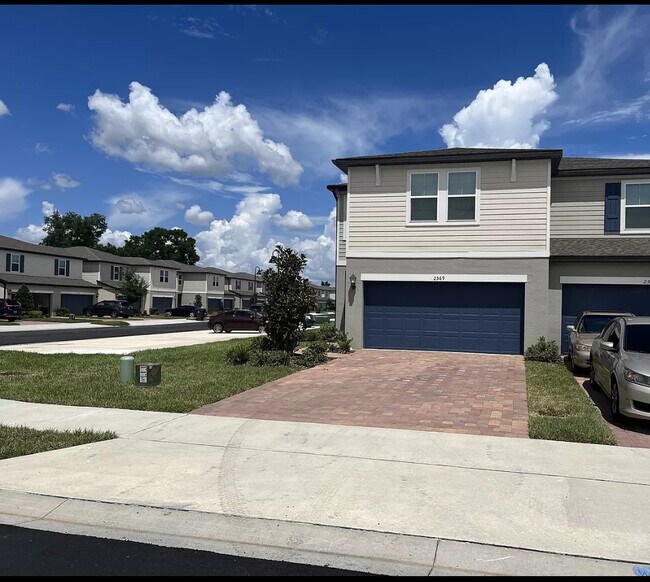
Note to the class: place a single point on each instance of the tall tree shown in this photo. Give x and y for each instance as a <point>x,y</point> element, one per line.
<point>72,229</point>
<point>289,297</point>
<point>25,298</point>
<point>133,286</point>
<point>162,243</point>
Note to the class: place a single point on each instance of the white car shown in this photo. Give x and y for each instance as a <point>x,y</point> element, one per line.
<point>620,365</point>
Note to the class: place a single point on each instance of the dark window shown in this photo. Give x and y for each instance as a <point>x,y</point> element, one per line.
<point>15,263</point>
<point>164,276</point>
<point>237,284</point>
<point>637,338</point>
<point>594,323</point>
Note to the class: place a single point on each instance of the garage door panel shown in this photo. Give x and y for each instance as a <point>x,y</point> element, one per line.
<point>76,303</point>
<point>162,303</point>
<point>469,317</point>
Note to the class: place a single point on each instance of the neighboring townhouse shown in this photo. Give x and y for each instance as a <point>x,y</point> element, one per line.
<point>246,288</point>
<point>324,295</point>
<point>207,282</point>
<point>53,275</point>
<point>486,250</point>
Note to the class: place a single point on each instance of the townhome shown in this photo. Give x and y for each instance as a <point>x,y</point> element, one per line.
<point>325,295</point>
<point>246,288</point>
<point>53,275</point>
<point>486,250</point>
<point>206,282</point>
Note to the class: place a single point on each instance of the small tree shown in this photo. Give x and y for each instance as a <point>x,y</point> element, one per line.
<point>197,301</point>
<point>289,297</point>
<point>133,286</point>
<point>24,296</point>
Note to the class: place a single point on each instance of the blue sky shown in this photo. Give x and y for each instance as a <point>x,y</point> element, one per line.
<point>112,109</point>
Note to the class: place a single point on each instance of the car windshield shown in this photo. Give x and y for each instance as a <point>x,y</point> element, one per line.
<point>594,323</point>
<point>637,338</point>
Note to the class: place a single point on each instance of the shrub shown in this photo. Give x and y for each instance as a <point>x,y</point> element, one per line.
<point>33,314</point>
<point>238,355</point>
<point>311,335</point>
<point>25,298</point>
<point>543,351</point>
<point>61,312</point>
<point>261,343</point>
<point>154,311</point>
<point>343,343</point>
<point>315,353</point>
<point>269,358</point>
<point>328,332</point>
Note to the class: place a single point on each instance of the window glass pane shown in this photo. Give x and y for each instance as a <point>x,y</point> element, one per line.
<point>637,217</point>
<point>637,194</point>
<point>462,183</point>
<point>424,209</point>
<point>461,208</point>
<point>424,184</point>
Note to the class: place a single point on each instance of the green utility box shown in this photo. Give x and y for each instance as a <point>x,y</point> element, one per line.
<point>147,374</point>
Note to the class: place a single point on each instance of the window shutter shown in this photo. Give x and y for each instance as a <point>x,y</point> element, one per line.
<point>8,262</point>
<point>67,268</point>
<point>613,207</point>
<point>22,263</point>
<point>56,267</point>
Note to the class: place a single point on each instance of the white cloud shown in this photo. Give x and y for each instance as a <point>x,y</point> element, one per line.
<point>246,240</point>
<point>195,215</point>
<point>343,178</point>
<point>507,116</point>
<point>205,143</point>
<point>47,208</point>
<point>67,107</point>
<point>42,148</point>
<point>32,233</point>
<point>293,220</point>
<point>13,198</point>
<point>142,211</point>
<point>64,181</point>
<point>115,237</point>
<point>4,110</point>
<point>36,183</point>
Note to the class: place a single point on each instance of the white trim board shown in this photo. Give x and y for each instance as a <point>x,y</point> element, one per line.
<point>468,255</point>
<point>605,280</point>
<point>444,278</point>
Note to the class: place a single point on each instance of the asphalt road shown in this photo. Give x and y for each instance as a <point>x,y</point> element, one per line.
<point>27,552</point>
<point>94,331</point>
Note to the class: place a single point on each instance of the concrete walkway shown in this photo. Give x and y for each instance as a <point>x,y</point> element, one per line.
<point>36,325</point>
<point>422,501</point>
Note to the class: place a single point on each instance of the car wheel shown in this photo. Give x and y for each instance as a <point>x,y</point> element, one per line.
<point>114,314</point>
<point>301,327</point>
<point>11,319</point>
<point>217,328</point>
<point>572,366</point>
<point>192,315</point>
<point>592,378</point>
<point>615,401</point>
<point>168,313</point>
<point>260,328</point>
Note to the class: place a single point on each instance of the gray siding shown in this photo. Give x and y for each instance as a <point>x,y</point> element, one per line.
<point>578,206</point>
<point>43,265</point>
<point>341,217</point>
<point>513,215</point>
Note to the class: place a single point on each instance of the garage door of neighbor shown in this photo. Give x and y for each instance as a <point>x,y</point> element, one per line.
<point>76,303</point>
<point>453,317</point>
<point>161,303</point>
<point>215,305</point>
<point>577,298</point>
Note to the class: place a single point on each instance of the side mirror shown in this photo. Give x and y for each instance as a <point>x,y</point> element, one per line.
<point>570,328</point>
<point>607,346</point>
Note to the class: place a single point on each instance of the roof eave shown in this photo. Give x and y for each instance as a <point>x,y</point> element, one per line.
<point>602,172</point>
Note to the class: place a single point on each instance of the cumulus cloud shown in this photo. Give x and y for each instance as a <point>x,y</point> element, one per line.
<point>247,240</point>
<point>33,233</point>
<point>195,215</point>
<point>115,237</point>
<point>42,148</point>
<point>64,181</point>
<point>142,211</point>
<point>47,208</point>
<point>4,110</point>
<point>507,116</point>
<point>67,107</point>
<point>203,143</point>
<point>13,197</point>
<point>293,220</point>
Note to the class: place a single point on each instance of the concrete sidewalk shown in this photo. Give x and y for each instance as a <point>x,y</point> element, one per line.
<point>36,325</point>
<point>345,495</point>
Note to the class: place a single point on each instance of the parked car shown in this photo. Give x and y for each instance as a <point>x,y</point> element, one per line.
<point>586,327</point>
<point>10,309</point>
<point>239,319</point>
<point>259,309</point>
<point>620,365</point>
<point>114,308</point>
<point>186,311</point>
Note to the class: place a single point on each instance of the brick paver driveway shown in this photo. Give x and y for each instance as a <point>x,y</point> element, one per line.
<point>438,391</point>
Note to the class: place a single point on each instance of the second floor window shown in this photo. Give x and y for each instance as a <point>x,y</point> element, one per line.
<point>237,284</point>
<point>62,267</point>
<point>635,215</point>
<point>15,263</point>
<point>461,196</point>
<point>250,285</point>
<point>443,197</point>
<point>180,279</point>
<point>116,273</point>
<point>215,280</point>
<point>164,276</point>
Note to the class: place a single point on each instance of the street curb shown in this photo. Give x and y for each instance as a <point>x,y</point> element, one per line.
<point>336,547</point>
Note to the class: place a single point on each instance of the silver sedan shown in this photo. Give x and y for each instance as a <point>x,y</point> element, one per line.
<point>620,365</point>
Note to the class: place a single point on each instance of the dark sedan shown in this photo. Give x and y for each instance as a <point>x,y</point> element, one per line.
<point>10,309</point>
<point>112,308</point>
<point>236,319</point>
<point>186,311</point>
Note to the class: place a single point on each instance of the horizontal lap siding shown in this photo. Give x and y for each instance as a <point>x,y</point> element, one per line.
<point>340,227</point>
<point>513,215</point>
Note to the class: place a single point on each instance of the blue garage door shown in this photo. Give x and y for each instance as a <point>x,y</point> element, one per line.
<point>577,298</point>
<point>161,303</point>
<point>214,305</point>
<point>452,317</point>
<point>76,303</point>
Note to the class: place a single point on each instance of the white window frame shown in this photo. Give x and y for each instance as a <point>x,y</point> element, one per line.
<point>65,263</point>
<point>116,270</point>
<point>164,276</point>
<point>443,197</point>
<point>12,263</point>
<point>237,285</point>
<point>215,280</point>
<point>624,229</point>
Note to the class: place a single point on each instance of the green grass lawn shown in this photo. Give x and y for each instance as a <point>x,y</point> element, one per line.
<point>559,409</point>
<point>16,441</point>
<point>191,377</point>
